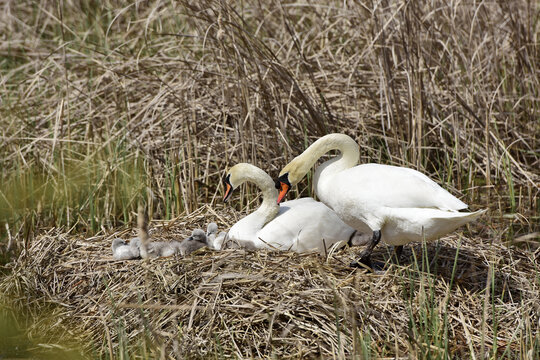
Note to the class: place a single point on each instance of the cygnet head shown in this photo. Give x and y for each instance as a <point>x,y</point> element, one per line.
<point>212,228</point>
<point>198,235</point>
<point>196,241</point>
<point>117,243</point>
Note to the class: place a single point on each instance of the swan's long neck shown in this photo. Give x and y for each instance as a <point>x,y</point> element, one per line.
<point>348,158</point>
<point>269,207</point>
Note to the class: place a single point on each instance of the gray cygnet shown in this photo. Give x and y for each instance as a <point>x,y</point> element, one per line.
<point>213,239</point>
<point>196,241</point>
<point>159,248</point>
<point>123,251</point>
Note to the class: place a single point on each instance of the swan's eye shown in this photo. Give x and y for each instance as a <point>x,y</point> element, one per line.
<point>282,180</point>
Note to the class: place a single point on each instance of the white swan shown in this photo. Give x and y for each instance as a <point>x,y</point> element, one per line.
<point>399,205</point>
<point>297,225</point>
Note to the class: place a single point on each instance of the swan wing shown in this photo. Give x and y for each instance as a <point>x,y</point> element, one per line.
<point>375,185</point>
<point>303,225</point>
<point>245,230</point>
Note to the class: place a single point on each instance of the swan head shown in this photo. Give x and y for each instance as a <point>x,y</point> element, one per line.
<point>283,185</point>
<point>291,175</point>
<point>244,172</point>
<point>294,171</point>
<point>236,176</point>
<point>229,188</point>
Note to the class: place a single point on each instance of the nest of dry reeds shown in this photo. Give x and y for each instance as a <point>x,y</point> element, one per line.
<point>236,303</point>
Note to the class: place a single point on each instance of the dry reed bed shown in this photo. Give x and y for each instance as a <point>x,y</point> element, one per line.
<point>258,304</point>
<point>189,88</point>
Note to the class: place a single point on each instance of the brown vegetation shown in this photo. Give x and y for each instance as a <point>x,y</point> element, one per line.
<point>104,103</point>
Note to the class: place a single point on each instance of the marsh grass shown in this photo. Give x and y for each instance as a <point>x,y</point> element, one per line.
<point>74,192</point>
<point>459,298</point>
<point>105,104</point>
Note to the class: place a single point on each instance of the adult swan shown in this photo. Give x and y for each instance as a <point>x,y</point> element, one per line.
<point>399,205</point>
<point>298,225</point>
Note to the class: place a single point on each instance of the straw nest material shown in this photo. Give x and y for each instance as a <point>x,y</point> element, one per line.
<point>257,304</point>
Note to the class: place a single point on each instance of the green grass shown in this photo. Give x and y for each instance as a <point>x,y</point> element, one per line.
<point>83,192</point>
<point>15,342</point>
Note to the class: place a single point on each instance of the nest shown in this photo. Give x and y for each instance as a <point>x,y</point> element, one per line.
<point>236,303</point>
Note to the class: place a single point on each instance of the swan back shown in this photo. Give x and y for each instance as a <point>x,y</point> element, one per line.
<point>372,186</point>
<point>303,225</point>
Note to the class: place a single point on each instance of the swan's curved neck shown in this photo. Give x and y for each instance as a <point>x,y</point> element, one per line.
<point>350,154</point>
<point>269,207</point>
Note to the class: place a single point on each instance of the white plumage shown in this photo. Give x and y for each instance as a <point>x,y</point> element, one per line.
<point>123,251</point>
<point>402,203</point>
<point>297,225</point>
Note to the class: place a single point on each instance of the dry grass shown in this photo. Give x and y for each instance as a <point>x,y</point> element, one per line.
<point>103,103</point>
<point>462,296</point>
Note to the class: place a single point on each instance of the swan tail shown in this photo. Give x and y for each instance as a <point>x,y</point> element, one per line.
<point>463,216</point>
<point>451,221</point>
<point>413,224</point>
<point>451,203</point>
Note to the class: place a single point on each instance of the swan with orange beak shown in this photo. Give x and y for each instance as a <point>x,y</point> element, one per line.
<point>396,204</point>
<point>298,225</point>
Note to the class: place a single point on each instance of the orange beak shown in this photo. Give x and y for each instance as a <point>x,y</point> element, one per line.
<point>228,192</point>
<point>283,190</point>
